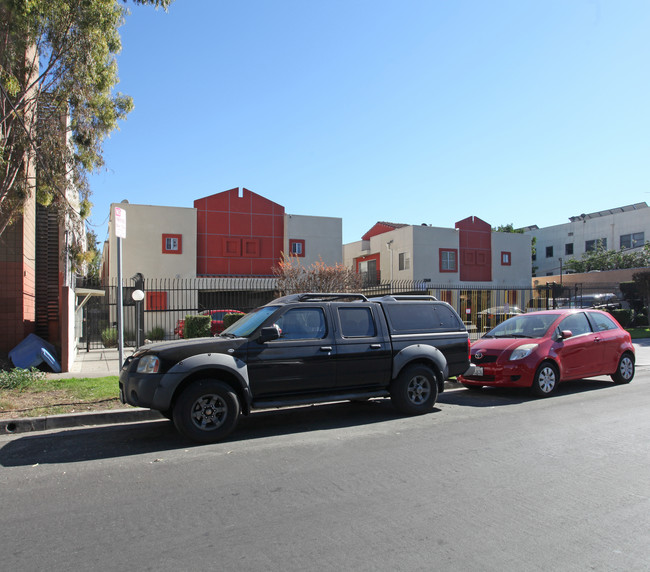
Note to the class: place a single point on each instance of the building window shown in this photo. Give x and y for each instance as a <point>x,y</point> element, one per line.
<point>506,258</point>
<point>591,245</point>
<point>448,260</point>
<point>404,261</point>
<point>632,240</point>
<point>549,252</point>
<point>297,247</point>
<point>156,300</point>
<point>568,249</point>
<point>172,243</point>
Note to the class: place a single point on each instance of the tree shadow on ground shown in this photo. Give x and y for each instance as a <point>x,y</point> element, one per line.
<point>116,441</point>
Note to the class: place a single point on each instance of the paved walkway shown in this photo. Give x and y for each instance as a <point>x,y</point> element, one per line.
<point>94,363</point>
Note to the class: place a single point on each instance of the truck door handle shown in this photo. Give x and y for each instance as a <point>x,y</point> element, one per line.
<point>326,348</point>
<point>375,346</point>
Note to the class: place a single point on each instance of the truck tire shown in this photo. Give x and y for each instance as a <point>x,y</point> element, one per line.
<point>207,411</point>
<point>415,390</point>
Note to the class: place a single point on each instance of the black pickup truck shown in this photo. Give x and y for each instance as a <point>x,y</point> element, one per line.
<point>300,349</point>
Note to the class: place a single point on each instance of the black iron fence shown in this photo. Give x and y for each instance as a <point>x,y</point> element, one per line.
<point>166,302</point>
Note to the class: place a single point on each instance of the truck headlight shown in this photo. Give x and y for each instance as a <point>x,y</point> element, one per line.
<point>148,364</point>
<point>523,351</point>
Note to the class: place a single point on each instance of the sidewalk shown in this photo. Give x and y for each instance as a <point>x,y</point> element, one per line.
<point>105,362</point>
<point>94,363</point>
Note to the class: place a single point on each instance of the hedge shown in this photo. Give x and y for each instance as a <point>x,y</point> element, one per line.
<point>196,326</point>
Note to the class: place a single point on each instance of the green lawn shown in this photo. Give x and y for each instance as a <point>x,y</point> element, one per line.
<point>638,333</point>
<point>53,396</point>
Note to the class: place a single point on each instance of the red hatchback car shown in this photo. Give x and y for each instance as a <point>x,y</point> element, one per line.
<point>541,349</point>
<point>216,324</point>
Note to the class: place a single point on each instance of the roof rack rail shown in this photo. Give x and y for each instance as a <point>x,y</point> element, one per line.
<point>330,297</point>
<point>405,298</point>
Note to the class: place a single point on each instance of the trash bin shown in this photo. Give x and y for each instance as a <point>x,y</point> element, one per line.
<point>33,351</point>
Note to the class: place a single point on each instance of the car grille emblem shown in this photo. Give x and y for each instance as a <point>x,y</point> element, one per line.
<point>478,355</point>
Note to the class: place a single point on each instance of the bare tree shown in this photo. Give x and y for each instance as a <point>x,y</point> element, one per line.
<point>294,278</point>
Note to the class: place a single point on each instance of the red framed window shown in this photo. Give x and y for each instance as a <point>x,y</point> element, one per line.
<point>296,247</point>
<point>156,300</point>
<point>172,243</point>
<point>448,260</point>
<point>506,258</point>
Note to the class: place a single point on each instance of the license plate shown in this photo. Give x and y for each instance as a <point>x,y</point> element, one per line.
<point>478,370</point>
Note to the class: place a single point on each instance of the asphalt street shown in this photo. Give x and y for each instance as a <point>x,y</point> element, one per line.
<point>488,481</point>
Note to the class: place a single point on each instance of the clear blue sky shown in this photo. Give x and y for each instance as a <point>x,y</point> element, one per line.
<point>409,111</point>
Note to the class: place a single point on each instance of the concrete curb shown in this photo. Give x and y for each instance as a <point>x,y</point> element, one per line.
<point>68,420</point>
<point>92,418</point>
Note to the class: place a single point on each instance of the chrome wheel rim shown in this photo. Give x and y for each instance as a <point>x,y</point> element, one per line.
<point>419,389</point>
<point>626,368</point>
<point>209,412</point>
<point>546,379</point>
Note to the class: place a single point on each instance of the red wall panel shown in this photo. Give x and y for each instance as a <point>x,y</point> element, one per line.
<point>475,241</point>
<point>241,233</point>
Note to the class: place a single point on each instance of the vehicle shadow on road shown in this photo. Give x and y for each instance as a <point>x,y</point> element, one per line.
<point>115,441</point>
<point>502,396</point>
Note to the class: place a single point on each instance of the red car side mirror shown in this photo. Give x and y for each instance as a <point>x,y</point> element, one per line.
<point>564,334</point>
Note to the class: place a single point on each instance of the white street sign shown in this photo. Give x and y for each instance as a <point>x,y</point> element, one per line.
<point>120,222</point>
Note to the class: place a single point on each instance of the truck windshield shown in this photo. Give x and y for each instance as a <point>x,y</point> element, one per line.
<point>250,322</point>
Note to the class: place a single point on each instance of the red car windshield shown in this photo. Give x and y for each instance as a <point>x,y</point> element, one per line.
<point>524,326</point>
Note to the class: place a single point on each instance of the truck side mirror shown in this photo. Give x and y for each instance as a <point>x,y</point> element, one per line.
<point>268,334</point>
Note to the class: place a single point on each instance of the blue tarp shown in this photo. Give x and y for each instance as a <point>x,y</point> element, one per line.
<point>33,351</point>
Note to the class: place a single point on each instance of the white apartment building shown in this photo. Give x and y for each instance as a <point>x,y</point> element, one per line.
<point>469,254</point>
<point>622,227</point>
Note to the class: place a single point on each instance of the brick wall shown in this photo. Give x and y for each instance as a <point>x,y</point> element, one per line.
<point>17,280</point>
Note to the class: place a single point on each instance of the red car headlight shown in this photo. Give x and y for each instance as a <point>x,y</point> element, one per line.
<point>523,351</point>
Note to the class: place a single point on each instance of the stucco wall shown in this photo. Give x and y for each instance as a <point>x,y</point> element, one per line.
<point>142,249</point>
<point>322,237</point>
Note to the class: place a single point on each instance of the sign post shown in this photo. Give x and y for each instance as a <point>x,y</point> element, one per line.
<point>120,233</point>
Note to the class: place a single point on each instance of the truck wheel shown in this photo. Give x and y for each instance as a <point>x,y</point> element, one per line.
<point>415,390</point>
<point>207,411</point>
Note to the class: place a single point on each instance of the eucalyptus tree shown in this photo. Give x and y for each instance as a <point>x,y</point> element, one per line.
<point>57,100</point>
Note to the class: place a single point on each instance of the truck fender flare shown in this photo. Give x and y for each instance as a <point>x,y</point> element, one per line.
<point>194,365</point>
<point>421,353</point>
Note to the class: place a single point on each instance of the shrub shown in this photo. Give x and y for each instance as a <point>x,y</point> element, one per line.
<point>230,319</point>
<point>623,317</point>
<point>640,318</point>
<point>19,378</point>
<point>197,326</point>
<point>156,333</point>
<point>109,337</point>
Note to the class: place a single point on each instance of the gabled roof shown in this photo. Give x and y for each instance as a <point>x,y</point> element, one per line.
<point>381,227</point>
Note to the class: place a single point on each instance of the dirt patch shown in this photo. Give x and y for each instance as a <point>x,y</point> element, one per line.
<point>18,404</point>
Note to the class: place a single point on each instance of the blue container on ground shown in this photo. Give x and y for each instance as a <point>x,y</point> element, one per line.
<point>33,351</point>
